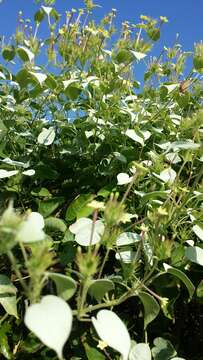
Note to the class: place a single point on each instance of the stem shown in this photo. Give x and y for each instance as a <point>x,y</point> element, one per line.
<point>83,297</point>
<point>145,336</point>
<point>129,188</point>
<point>107,304</point>
<point>36,30</point>
<point>17,271</point>
<point>103,263</point>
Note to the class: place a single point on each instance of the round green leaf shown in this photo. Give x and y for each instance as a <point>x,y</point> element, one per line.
<point>8,53</point>
<point>65,285</point>
<point>100,287</point>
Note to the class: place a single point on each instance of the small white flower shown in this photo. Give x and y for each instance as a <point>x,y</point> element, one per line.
<point>113,332</point>
<point>82,229</point>
<point>31,229</point>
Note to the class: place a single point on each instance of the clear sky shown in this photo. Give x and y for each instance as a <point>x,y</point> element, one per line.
<point>185,16</point>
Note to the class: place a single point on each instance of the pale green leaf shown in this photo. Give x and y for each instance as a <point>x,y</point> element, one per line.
<point>151,307</point>
<point>194,254</point>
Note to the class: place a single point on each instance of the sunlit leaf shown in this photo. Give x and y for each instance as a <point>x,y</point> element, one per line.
<point>194,254</point>
<point>87,233</point>
<point>112,330</point>
<point>198,230</point>
<point>47,136</point>
<point>7,173</point>
<point>140,351</point>
<point>25,54</point>
<point>134,136</point>
<point>31,229</point>
<point>138,55</point>
<point>123,179</point>
<point>168,175</point>
<point>39,77</point>
<point>126,256</point>
<point>51,321</point>
<point>127,238</point>
<point>29,172</point>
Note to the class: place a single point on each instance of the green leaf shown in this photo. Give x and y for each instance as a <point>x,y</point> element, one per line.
<point>8,53</point>
<point>181,275</point>
<point>65,285</point>
<point>153,33</point>
<point>25,54</point>
<point>6,286</point>
<point>124,56</point>
<point>55,224</point>
<point>5,350</point>
<point>200,290</point>
<point>163,349</point>
<point>47,207</point>
<point>100,287</point>
<point>155,194</point>
<point>72,88</point>
<point>39,16</point>
<point>194,254</point>
<point>151,307</point>
<point>9,304</point>
<point>50,82</point>
<point>38,77</point>
<point>93,354</point>
<point>134,136</point>
<point>78,208</point>
<point>23,78</point>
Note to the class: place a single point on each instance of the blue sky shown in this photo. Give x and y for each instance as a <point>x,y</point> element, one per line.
<point>185,16</point>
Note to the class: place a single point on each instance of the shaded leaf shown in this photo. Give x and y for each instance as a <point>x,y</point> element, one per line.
<point>65,285</point>
<point>181,275</point>
<point>100,287</point>
<point>151,307</point>
<point>163,349</point>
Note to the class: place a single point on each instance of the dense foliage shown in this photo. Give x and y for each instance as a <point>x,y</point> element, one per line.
<point>101,191</point>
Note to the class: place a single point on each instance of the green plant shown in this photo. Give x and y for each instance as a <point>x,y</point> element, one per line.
<point>112,171</point>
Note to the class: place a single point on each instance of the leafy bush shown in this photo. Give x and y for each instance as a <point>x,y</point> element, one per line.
<point>101,191</point>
